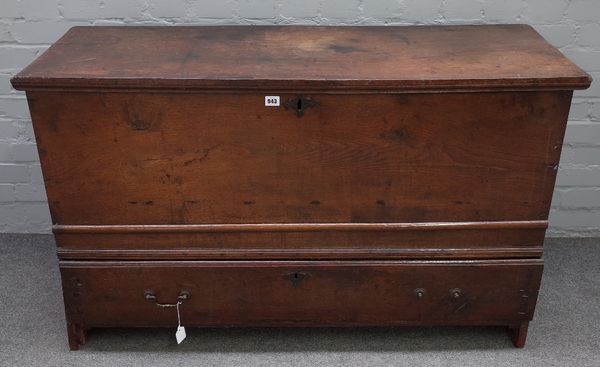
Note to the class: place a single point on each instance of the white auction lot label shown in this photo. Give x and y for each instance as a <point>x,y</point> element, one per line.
<point>272,101</point>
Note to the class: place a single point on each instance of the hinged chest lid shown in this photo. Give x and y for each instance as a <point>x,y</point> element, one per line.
<point>486,57</point>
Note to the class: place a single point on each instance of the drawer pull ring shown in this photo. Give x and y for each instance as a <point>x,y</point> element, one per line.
<point>183,296</point>
<point>299,105</point>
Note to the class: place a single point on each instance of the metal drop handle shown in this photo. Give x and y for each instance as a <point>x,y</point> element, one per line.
<point>183,296</point>
<point>420,292</point>
<point>456,293</point>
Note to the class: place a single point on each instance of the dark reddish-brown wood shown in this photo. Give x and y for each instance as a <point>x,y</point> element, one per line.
<point>300,57</point>
<point>410,185</point>
<point>518,334</point>
<point>269,180</point>
<point>267,293</point>
<point>156,158</point>
<point>307,241</point>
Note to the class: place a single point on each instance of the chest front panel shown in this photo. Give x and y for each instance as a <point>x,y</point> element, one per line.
<point>160,158</point>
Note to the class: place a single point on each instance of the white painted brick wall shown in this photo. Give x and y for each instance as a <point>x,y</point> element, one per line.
<point>28,27</point>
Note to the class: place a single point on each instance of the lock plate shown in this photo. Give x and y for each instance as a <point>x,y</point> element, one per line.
<point>296,277</point>
<point>300,104</point>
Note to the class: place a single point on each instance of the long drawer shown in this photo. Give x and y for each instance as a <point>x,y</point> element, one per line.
<point>318,293</point>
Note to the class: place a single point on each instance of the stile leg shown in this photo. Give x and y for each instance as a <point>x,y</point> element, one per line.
<point>77,336</point>
<point>519,334</point>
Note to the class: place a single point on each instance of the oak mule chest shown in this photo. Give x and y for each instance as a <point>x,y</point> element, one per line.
<point>300,176</point>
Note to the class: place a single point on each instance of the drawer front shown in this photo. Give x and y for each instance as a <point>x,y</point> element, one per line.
<point>500,292</point>
<point>160,158</point>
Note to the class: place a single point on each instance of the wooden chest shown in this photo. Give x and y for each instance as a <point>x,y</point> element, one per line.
<point>300,176</point>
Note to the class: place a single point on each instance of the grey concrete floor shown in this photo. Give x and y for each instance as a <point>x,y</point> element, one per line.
<point>564,332</point>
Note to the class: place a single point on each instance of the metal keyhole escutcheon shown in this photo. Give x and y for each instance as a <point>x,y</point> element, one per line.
<point>299,104</point>
<point>296,277</point>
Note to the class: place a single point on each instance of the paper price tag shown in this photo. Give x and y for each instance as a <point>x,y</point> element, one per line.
<point>180,334</point>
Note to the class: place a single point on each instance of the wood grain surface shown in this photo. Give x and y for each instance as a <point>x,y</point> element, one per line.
<point>268,293</point>
<point>157,158</point>
<point>303,57</point>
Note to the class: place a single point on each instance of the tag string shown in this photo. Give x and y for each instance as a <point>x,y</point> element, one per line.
<point>178,317</point>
